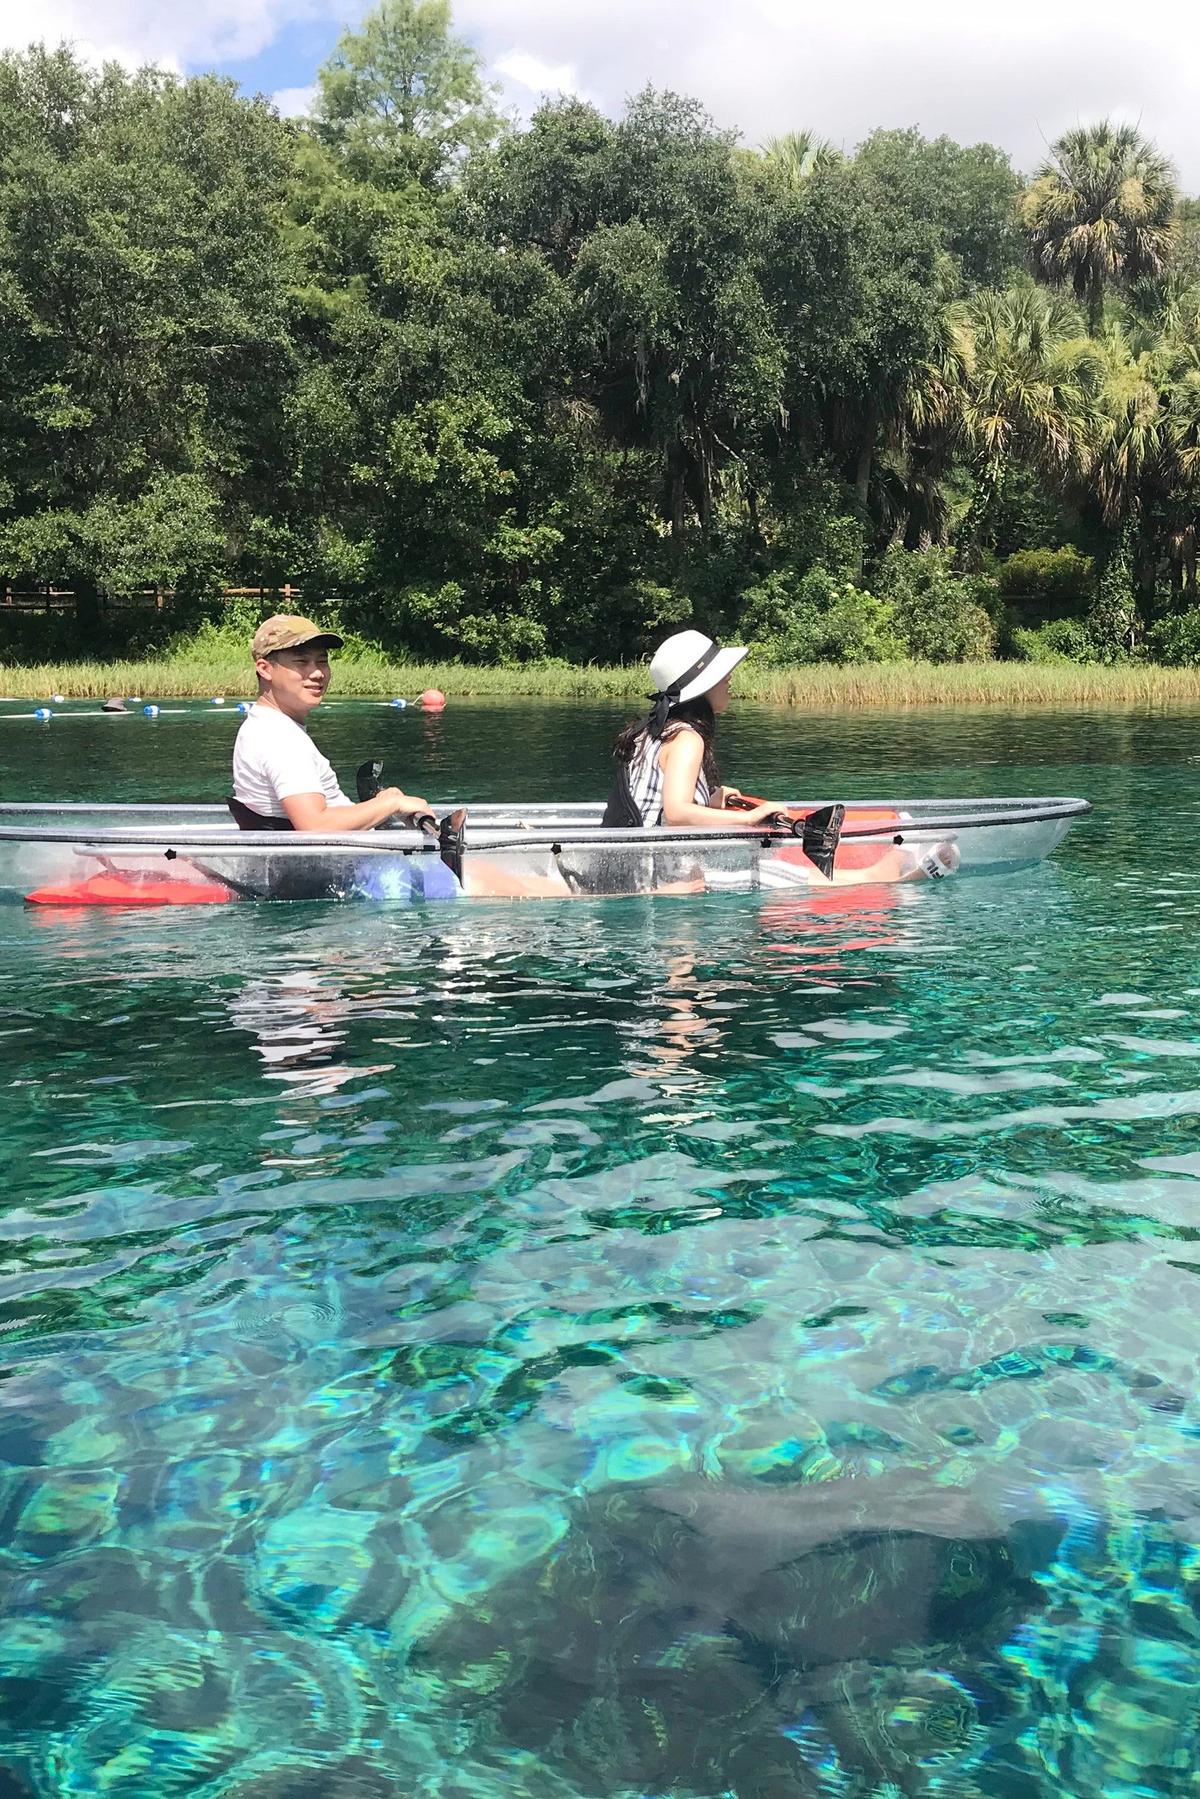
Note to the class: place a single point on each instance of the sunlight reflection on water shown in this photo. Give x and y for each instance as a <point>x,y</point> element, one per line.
<point>715,1347</point>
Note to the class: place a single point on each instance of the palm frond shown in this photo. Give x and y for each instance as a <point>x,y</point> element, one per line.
<point>1100,211</point>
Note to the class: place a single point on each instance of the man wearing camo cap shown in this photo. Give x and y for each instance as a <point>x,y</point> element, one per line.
<point>280,778</point>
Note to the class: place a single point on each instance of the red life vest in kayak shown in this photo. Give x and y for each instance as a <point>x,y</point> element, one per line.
<point>130,890</point>
<point>852,853</point>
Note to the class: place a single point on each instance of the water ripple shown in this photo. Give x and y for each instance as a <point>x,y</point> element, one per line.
<point>623,1349</point>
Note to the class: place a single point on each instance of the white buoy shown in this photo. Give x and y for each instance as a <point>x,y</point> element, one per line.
<point>56,699</point>
<point>243,706</point>
<point>150,711</point>
<point>44,713</point>
<point>400,704</point>
<point>219,700</point>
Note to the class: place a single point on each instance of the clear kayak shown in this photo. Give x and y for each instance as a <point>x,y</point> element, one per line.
<point>79,855</point>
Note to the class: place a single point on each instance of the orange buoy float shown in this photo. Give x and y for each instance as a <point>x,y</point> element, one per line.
<point>433,699</point>
<point>125,890</point>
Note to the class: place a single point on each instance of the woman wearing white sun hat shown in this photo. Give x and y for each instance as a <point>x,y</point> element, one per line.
<point>666,767</point>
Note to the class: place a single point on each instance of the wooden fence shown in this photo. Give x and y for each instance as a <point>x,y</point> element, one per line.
<point>62,599</point>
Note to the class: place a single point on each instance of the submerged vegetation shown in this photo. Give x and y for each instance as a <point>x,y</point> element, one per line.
<point>498,394</point>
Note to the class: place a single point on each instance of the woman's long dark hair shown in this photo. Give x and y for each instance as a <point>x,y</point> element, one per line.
<point>699,715</point>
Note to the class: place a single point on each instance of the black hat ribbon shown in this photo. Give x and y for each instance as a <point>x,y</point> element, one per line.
<point>668,696</point>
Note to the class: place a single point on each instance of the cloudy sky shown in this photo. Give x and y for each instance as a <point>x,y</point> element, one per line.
<point>1014,73</point>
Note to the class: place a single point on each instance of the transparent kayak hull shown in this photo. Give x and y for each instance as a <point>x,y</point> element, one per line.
<point>83,854</point>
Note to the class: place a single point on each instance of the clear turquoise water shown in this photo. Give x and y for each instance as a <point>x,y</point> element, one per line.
<point>702,1348</point>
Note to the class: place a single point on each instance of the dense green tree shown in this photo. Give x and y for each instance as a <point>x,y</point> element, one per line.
<point>401,97</point>
<point>968,194</point>
<point>858,290</point>
<point>555,389</point>
<point>679,353</point>
<point>142,275</point>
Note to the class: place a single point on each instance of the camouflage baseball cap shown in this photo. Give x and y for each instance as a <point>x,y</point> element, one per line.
<point>287,632</point>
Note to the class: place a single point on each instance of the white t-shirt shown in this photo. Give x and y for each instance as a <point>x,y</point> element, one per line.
<point>274,759</point>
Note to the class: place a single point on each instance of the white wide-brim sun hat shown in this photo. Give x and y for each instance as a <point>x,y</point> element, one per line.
<point>692,654</point>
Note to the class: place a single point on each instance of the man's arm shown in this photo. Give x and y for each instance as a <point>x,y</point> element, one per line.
<point>309,812</point>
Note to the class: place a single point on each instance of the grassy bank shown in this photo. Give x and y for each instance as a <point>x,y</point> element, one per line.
<point>888,686</point>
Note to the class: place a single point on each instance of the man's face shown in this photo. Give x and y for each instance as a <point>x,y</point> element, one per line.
<point>297,679</point>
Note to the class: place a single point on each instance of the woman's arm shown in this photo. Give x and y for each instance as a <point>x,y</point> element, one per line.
<point>680,759</point>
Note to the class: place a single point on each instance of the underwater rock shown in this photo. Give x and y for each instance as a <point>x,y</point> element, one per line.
<point>325,1567</point>
<point>684,1634</point>
<point>68,1509</point>
<point>353,1778</point>
<point>43,1668</point>
<point>159,1721</point>
<point>1106,1678</point>
<point>170,1712</point>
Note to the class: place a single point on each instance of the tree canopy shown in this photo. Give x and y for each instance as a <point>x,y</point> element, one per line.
<point>499,390</point>
<point>402,98</point>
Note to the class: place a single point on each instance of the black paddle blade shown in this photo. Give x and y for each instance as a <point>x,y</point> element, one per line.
<point>820,838</point>
<point>367,779</point>
<point>451,836</point>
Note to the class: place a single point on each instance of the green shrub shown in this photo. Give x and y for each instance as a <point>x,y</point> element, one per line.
<point>821,529</point>
<point>1043,582</point>
<point>938,614</point>
<point>773,606</point>
<point>642,614</point>
<point>707,578</point>
<point>826,540</point>
<point>1062,640</point>
<point>815,618</point>
<point>120,630</point>
<point>857,627</point>
<point>36,637</point>
<point>438,621</point>
<point>1175,640</point>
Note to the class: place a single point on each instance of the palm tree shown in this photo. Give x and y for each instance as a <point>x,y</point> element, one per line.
<point>933,402</point>
<point>927,439</point>
<point>1181,440</point>
<point>1030,387</point>
<point>1101,209</point>
<point>1017,378</point>
<point>796,155</point>
<point>1131,449</point>
<point>1011,375</point>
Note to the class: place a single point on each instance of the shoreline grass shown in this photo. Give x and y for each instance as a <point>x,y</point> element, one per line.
<point>890,686</point>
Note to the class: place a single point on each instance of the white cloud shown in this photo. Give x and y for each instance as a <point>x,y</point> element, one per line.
<point>137,31</point>
<point>294,102</point>
<point>526,80</point>
<point>538,76</point>
<point>1015,75</point>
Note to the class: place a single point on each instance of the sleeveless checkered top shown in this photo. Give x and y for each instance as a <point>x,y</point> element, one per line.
<point>646,775</point>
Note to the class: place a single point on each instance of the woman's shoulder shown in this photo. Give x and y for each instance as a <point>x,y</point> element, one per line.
<point>675,727</point>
